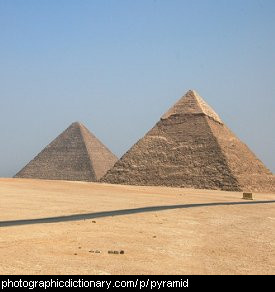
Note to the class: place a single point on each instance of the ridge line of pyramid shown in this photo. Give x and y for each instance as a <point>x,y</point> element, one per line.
<point>206,108</point>
<point>81,126</point>
<point>91,141</point>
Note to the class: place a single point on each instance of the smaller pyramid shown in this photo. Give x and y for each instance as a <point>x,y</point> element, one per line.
<point>76,154</point>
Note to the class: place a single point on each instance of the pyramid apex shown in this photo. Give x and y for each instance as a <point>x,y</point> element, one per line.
<point>192,91</point>
<point>192,103</point>
<point>76,123</point>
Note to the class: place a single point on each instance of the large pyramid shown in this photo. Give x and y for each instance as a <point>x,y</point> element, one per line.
<point>76,154</point>
<point>191,147</point>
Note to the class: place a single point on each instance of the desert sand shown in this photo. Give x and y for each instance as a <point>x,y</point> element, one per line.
<point>186,231</point>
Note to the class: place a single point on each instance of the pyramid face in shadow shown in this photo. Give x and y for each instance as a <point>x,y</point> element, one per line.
<point>191,147</point>
<point>76,154</point>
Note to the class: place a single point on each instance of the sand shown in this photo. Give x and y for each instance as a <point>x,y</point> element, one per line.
<point>194,236</point>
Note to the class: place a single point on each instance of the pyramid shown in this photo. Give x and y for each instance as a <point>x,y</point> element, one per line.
<point>191,147</point>
<point>76,154</point>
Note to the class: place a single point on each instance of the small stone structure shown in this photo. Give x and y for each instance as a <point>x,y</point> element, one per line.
<point>247,196</point>
<point>116,252</point>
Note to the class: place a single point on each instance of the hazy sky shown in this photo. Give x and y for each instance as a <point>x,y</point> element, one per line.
<point>118,65</point>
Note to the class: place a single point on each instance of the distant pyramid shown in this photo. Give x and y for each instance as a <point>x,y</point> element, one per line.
<point>191,147</point>
<point>76,154</point>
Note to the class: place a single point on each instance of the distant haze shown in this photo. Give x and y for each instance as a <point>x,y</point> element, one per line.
<point>118,65</point>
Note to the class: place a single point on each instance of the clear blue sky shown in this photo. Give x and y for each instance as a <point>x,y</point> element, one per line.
<point>118,65</point>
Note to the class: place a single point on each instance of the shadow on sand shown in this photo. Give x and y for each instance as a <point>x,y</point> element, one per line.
<point>87,216</point>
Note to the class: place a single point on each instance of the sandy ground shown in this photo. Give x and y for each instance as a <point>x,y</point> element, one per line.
<point>195,237</point>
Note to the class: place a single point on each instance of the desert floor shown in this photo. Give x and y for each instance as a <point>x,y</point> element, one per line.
<point>185,232</point>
